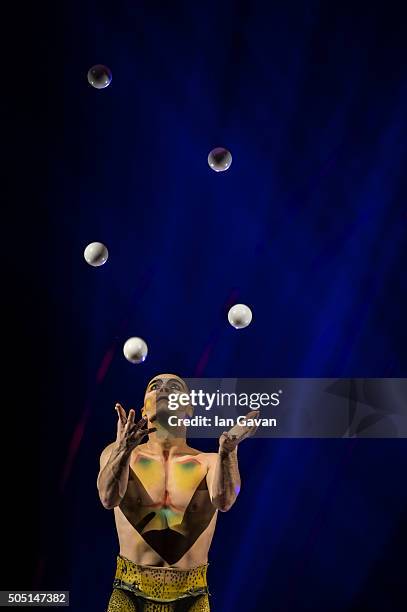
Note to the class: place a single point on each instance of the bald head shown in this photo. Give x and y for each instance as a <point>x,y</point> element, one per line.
<point>169,382</point>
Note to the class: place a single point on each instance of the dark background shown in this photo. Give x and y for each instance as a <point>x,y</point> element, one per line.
<point>307,227</point>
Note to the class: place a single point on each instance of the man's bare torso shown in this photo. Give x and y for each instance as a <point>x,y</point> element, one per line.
<point>166,517</point>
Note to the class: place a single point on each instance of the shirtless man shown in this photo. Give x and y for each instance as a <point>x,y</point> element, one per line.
<point>165,496</point>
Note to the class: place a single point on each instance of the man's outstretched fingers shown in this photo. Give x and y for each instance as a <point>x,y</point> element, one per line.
<point>141,422</point>
<point>130,421</point>
<point>131,414</point>
<point>252,414</point>
<point>121,413</point>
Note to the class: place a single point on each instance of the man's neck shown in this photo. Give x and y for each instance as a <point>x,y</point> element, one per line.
<point>164,443</point>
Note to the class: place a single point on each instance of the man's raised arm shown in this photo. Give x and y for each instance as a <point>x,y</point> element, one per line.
<point>223,476</point>
<point>115,458</point>
<point>224,479</point>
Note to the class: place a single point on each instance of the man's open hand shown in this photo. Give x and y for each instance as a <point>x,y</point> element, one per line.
<point>229,440</point>
<point>129,433</point>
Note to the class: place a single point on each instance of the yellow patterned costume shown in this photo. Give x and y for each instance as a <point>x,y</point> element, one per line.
<point>146,588</point>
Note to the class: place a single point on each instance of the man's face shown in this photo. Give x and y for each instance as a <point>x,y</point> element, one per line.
<point>156,397</point>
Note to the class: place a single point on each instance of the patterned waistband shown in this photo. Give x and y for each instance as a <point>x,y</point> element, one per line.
<point>160,584</point>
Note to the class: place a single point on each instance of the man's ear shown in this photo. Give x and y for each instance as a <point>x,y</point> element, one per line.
<point>189,410</point>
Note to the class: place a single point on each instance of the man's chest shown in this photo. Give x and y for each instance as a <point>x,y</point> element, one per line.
<point>167,502</point>
<point>171,481</point>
